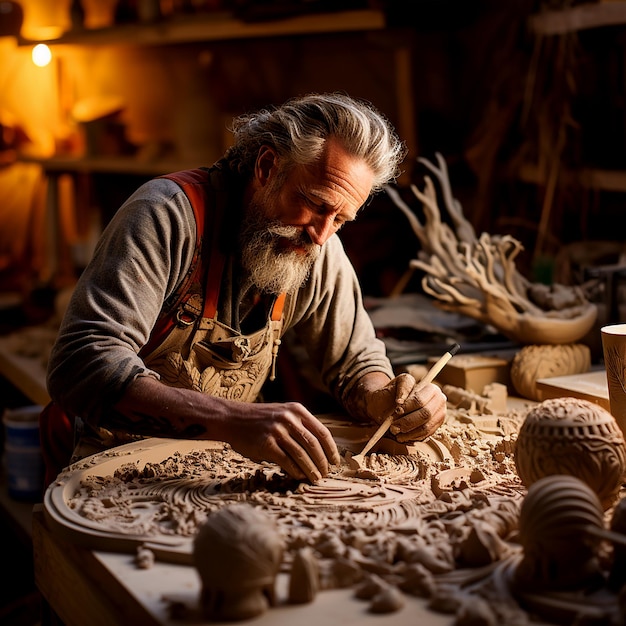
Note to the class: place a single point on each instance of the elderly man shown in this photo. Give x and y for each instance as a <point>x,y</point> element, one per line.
<point>175,324</point>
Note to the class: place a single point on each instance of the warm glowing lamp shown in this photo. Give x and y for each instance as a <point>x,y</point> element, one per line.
<point>41,55</point>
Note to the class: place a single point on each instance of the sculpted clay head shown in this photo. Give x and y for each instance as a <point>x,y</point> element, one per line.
<point>575,437</point>
<point>237,552</point>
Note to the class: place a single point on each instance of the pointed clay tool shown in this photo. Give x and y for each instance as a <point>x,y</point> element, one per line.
<point>356,461</point>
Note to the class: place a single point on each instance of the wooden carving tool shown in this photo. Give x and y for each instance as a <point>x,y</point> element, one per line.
<point>357,460</point>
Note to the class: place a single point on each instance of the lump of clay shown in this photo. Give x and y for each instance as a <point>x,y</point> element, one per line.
<point>576,437</point>
<point>559,551</point>
<point>370,587</point>
<point>388,600</point>
<point>237,552</point>
<point>545,361</point>
<point>144,558</point>
<point>305,577</point>
<point>385,598</point>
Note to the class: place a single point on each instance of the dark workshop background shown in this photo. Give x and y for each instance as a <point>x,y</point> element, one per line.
<point>528,110</point>
<point>531,125</point>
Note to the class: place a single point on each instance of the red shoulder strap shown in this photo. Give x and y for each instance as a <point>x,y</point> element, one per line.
<point>279,305</point>
<point>195,185</point>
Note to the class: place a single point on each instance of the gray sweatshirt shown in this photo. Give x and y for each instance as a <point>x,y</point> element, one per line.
<point>143,254</point>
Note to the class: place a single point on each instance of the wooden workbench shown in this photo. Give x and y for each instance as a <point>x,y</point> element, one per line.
<point>17,513</point>
<point>99,588</point>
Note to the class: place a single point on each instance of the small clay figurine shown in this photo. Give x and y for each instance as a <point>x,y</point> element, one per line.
<point>305,577</point>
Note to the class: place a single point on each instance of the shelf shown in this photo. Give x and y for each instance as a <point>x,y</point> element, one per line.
<point>580,17</point>
<point>29,376</point>
<point>113,165</point>
<point>217,27</point>
<point>26,373</point>
<point>590,386</point>
<point>586,177</point>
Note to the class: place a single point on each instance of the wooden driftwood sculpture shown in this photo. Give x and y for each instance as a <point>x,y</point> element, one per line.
<point>478,277</point>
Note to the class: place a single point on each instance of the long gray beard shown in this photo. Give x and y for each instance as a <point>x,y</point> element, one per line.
<point>273,270</point>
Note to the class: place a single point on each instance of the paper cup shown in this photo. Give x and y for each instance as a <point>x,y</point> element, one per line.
<point>614,350</point>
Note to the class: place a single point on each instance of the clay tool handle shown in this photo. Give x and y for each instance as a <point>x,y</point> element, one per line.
<point>608,535</point>
<point>430,376</point>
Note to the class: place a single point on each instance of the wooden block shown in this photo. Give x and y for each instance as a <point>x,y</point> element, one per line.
<point>590,386</point>
<point>473,372</point>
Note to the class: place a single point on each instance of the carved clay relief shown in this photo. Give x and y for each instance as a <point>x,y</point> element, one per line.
<point>444,527</point>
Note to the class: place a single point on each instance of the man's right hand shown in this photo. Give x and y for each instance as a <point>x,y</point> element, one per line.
<point>286,434</point>
<point>283,433</point>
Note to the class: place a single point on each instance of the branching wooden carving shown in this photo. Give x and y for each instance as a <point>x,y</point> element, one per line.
<point>478,277</point>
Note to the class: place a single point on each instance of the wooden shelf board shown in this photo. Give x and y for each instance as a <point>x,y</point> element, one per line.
<point>591,386</point>
<point>113,165</point>
<point>219,27</point>
<point>580,17</point>
<point>27,374</point>
<point>587,177</point>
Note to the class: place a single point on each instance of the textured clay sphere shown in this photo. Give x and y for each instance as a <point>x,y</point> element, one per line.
<point>573,437</point>
<point>545,361</point>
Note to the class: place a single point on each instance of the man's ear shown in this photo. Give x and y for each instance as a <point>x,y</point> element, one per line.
<point>266,164</point>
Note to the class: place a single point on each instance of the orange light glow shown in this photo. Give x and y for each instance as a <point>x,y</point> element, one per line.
<point>41,55</point>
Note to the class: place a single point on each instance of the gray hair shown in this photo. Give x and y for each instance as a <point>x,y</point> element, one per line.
<point>299,128</point>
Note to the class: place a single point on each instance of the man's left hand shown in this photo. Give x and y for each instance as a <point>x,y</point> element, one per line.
<point>418,409</point>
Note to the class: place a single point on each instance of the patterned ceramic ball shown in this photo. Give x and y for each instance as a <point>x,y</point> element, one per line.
<point>575,437</point>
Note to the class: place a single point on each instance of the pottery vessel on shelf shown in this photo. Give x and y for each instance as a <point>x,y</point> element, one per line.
<point>11,18</point>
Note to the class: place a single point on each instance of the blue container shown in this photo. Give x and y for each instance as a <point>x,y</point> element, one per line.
<point>22,453</point>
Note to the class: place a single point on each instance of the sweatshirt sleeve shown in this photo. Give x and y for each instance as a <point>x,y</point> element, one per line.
<point>329,318</point>
<point>140,259</point>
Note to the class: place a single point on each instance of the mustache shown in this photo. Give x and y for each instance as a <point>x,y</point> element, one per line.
<point>294,234</point>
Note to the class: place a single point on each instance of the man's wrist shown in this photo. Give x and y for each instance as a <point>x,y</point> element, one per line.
<point>357,400</point>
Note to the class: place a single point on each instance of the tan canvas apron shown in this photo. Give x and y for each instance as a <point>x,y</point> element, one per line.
<point>211,357</point>
<point>202,353</point>
<point>199,352</point>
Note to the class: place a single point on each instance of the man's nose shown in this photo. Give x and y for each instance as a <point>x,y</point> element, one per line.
<point>321,229</point>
